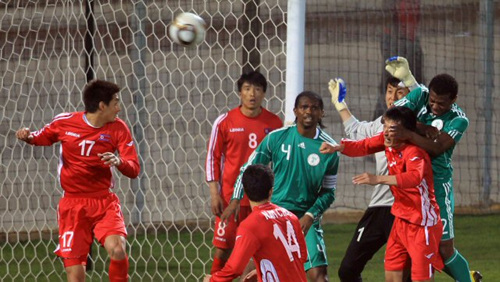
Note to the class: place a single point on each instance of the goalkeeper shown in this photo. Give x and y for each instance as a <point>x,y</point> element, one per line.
<point>374,227</point>
<point>442,124</point>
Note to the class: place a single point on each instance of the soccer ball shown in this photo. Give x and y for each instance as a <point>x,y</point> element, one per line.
<point>187,29</point>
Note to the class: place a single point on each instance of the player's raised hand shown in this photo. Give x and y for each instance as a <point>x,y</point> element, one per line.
<point>400,69</point>
<point>232,208</point>
<point>207,278</point>
<point>110,159</point>
<point>338,91</point>
<point>398,131</point>
<point>327,148</point>
<point>24,134</point>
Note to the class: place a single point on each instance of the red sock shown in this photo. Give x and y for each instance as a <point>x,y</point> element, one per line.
<point>118,270</point>
<point>217,265</point>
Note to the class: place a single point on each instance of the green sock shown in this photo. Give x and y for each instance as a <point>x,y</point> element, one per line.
<point>457,267</point>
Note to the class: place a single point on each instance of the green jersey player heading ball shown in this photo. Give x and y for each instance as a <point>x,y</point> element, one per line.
<point>305,179</point>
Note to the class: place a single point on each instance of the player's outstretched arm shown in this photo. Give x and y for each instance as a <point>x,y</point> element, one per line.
<point>399,68</point>
<point>371,179</point>
<point>327,148</point>
<point>24,134</point>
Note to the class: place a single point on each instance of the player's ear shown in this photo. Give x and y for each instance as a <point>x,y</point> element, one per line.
<point>102,105</point>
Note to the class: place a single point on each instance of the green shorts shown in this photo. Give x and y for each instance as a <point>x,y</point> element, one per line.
<point>316,250</point>
<point>446,202</point>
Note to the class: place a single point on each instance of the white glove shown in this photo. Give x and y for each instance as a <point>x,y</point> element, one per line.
<point>399,68</point>
<point>338,91</point>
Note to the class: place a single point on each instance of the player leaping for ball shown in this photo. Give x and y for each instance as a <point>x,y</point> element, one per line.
<point>88,208</point>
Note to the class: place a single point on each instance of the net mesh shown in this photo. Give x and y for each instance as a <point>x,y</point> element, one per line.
<point>172,94</point>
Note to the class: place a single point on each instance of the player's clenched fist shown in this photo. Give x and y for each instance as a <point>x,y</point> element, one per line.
<point>327,148</point>
<point>24,134</point>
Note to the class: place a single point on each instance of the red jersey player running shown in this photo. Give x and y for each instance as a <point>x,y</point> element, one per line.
<point>417,227</point>
<point>88,208</point>
<point>271,234</point>
<point>234,136</point>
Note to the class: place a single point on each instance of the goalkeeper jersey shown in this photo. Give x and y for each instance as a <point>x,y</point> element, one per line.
<point>304,179</point>
<point>454,123</point>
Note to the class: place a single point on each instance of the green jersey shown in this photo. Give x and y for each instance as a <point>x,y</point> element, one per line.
<point>304,179</point>
<point>454,123</point>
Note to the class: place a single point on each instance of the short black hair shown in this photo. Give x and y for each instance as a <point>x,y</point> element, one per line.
<point>254,78</point>
<point>313,96</point>
<point>257,181</point>
<point>392,81</point>
<point>403,115</point>
<point>97,91</point>
<point>444,84</point>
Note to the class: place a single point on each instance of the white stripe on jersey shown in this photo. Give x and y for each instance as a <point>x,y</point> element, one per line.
<point>401,102</point>
<point>330,182</point>
<point>453,133</point>
<point>429,216</point>
<point>209,166</point>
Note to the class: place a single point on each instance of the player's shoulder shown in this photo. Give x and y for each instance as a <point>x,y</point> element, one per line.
<point>323,136</point>
<point>268,114</point>
<point>457,112</point>
<point>414,152</point>
<point>66,117</point>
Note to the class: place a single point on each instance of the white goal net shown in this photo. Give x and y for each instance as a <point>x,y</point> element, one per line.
<point>171,95</point>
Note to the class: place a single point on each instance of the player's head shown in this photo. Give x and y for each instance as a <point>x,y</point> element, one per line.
<point>254,78</point>
<point>443,91</point>
<point>398,116</point>
<point>252,87</point>
<point>98,91</point>
<point>394,91</point>
<point>308,110</point>
<point>258,182</point>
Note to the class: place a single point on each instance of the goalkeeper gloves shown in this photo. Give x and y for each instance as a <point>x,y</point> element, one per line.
<point>399,68</point>
<point>338,91</point>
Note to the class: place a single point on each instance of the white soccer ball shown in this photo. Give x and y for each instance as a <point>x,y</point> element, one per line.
<point>187,29</point>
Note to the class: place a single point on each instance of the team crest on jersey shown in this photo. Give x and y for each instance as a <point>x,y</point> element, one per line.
<point>313,160</point>
<point>437,123</point>
<point>105,137</point>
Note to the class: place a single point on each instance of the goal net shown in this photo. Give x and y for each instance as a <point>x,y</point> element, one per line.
<point>172,94</point>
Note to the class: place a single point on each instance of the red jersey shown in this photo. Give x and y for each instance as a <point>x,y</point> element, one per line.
<point>273,237</point>
<point>414,198</point>
<point>234,137</point>
<point>80,170</point>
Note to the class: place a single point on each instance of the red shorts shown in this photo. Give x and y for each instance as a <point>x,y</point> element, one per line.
<point>225,232</point>
<point>420,244</point>
<point>80,219</point>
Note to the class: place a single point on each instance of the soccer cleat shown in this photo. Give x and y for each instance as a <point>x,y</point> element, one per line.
<point>475,276</point>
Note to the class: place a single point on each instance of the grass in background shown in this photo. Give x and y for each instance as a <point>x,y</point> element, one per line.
<point>186,256</point>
